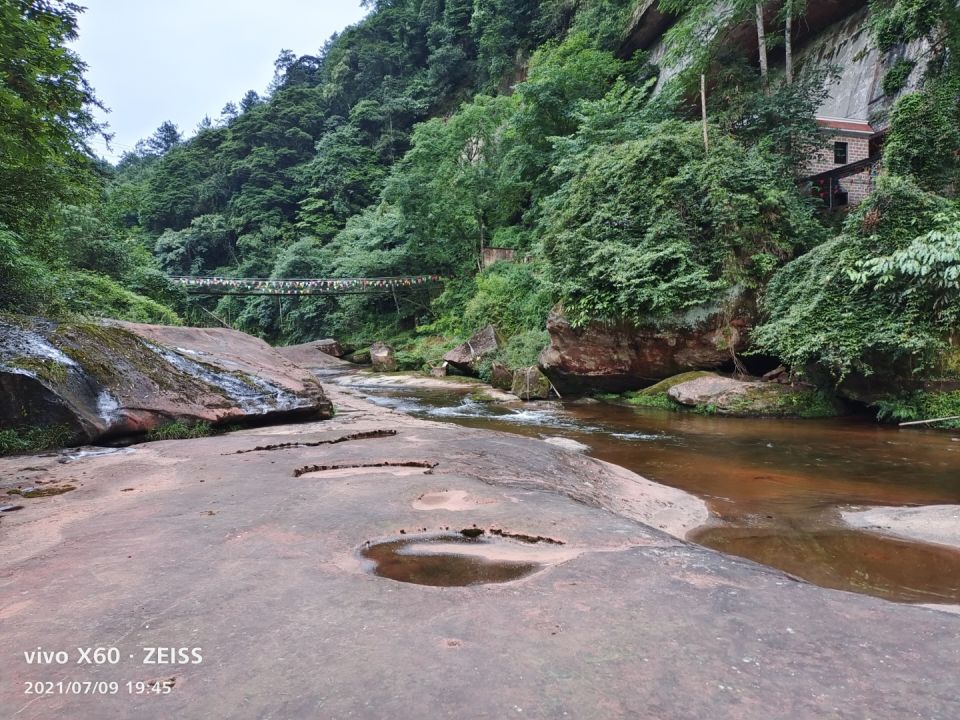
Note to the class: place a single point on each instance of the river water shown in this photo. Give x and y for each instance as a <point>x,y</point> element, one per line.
<point>775,486</point>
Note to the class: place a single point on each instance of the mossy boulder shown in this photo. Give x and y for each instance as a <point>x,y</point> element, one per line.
<point>383,357</point>
<point>501,376</point>
<point>92,381</point>
<point>747,398</point>
<point>530,384</point>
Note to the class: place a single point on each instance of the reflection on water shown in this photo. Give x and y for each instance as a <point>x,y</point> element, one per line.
<point>775,485</point>
<point>440,561</point>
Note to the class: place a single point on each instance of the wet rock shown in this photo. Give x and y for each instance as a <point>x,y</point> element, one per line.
<point>530,384</point>
<point>751,398</point>
<point>382,357</point>
<point>568,444</point>
<point>92,381</point>
<point>467,357</point>
<point>501,377</point>
<point>622,356</point>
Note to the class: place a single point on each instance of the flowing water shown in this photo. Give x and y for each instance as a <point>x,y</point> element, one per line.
<point>775,486</point>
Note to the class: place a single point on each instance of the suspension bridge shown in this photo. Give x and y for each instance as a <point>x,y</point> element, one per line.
<point>304,286</point>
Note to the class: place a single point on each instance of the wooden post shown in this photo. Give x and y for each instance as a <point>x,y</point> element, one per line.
<point>703,110</point>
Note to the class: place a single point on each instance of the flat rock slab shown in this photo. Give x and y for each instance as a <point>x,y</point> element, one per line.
<point>213,544</point>
<point>938,524</point>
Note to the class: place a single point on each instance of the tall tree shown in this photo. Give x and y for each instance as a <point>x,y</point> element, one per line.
<point>762,47</point>
<point>46,111</point>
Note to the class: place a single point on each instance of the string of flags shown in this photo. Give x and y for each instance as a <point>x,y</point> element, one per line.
<point>303,286</point>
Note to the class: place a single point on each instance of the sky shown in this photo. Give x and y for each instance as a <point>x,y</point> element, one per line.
<point>180,60</point>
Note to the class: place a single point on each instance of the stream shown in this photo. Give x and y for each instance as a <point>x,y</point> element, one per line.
<point>776,487</point>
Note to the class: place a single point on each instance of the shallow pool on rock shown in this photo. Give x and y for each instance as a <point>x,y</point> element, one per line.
<point>451,560</point>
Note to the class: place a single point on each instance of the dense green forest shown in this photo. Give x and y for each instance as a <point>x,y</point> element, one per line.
<point>436,128</point>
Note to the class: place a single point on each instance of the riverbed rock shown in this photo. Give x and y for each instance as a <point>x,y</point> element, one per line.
<point>91,381</point>
<point>616,357</point>
<point>501,376</point>
<point>313,356</point>
<point>637,625</point>
<point>939,524</point>
<point>467,356</point>
<point>383,357</point>
<point>752,398</point>
<point>530,384</point>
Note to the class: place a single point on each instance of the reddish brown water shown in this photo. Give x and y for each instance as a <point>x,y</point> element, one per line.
<point>433,560</point>
<point>776,486</point>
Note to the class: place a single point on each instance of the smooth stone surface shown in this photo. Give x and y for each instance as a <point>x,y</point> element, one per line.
<point>231,553</point>
<point>938,524</point>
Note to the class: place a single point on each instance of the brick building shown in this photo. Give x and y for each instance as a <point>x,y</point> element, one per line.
<point>842,174</point>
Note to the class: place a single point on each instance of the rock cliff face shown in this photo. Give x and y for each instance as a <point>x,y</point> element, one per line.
<point>619,357</point>
<point>97,380</point>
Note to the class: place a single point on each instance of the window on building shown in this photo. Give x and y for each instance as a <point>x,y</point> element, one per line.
<point>839,153</point>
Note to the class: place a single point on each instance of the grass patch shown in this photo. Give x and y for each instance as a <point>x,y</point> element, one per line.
<point>180,430</point>
<point>24,441</point>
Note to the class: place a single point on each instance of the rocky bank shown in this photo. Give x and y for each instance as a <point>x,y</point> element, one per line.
<point>93,381</point>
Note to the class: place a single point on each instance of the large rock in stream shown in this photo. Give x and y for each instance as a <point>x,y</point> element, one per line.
<point>751,398</point>
<point>467,357</point>
<point>621,356</point>
<point>101,380</point>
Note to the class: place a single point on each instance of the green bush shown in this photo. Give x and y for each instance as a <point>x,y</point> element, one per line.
<point>831,307</point>
<point>654,226</point>
<point>922,406</point>
<point>896,78</point>
<point>511,297</point>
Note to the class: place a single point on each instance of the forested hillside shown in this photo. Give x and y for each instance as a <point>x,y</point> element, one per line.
<point>436,128</point>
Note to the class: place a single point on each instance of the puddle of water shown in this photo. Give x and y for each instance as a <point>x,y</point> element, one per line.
<point>849,560</point>
<point>449,560</point>
<point>775,485</point>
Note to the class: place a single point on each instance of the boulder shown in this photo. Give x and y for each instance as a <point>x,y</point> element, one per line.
<point>93,381</point>
<point>467,357</point>
<point>358,357</point>
<point>621,356</point>
<point>501,377</point>
<point>439,371</point>
<point>530,384</point>
<point>313,355</point>
<point>751,398</point>
<point>383,357</point>
<point>329,346</point>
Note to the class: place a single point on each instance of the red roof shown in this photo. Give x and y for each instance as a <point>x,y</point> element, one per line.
<point>846,125</point>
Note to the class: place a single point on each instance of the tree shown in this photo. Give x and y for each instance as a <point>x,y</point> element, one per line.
<point>762,47</point>
<point>164,139</point>
<point>250,100</point>
<point>46,112</point>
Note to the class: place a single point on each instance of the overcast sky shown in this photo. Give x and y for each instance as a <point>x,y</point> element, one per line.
<point>182,59</point>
